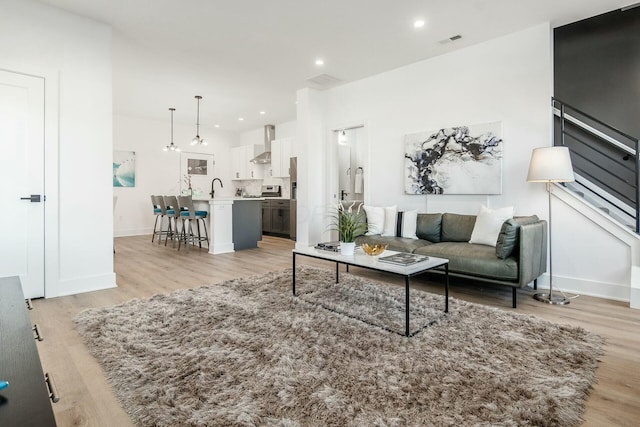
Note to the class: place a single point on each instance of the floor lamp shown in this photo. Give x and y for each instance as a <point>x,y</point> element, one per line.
<point>548,165</point>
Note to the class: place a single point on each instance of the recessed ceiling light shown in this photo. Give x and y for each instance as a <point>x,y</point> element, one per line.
<point>216,126</point>
<point>319,61</point>
<point>241,118</point>
<point>262,113</point>
<point>419,23</point>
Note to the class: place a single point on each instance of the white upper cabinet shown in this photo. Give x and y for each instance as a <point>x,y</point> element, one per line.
<point>241,165</point>
<point>280,154</point>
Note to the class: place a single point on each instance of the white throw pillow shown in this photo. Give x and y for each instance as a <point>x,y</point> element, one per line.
<point>375,220</point>
<point>409,224</point>
<point>488,225</point>
<point>390,221</point>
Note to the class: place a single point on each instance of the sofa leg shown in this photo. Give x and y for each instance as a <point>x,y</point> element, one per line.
<point>514,298</point>
<point>535,284</point>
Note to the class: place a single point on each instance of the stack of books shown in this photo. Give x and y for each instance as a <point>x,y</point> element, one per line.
<point>329,246</point>
<point>403,258</point>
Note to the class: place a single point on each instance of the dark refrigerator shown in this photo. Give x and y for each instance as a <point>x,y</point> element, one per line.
<point>293,211</point>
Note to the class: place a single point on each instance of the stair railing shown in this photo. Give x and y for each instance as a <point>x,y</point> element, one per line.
<point>616,140</point>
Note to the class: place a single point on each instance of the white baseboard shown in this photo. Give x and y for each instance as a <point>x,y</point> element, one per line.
<point>132,232</point>
<point>572,285</point>
<point>634,298</point>
<point>221,248</point>
<point>80,285</point>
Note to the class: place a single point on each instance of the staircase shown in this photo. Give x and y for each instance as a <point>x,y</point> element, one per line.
<point>605,163</point>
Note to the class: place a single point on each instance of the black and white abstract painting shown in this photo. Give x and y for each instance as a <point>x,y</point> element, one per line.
<point>456,160</point>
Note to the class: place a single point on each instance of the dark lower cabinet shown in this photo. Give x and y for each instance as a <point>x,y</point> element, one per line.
<point>280,220</point>
<point>266,216</point>
<point>275,217</point>
<point>27,400</point>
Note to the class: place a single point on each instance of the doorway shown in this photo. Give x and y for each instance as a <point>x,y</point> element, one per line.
<point>351,157</point>
<point>22,130</point>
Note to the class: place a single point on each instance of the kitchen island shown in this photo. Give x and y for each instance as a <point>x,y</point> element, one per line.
<point>235,223</point>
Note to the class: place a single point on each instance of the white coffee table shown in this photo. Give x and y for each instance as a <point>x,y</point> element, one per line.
<point>360,259</point>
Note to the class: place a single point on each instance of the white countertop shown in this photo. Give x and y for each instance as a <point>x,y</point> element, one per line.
<point>227,198</point>
<point>232,198</point>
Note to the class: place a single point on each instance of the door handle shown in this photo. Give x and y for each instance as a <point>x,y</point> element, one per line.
<point>34,198</point>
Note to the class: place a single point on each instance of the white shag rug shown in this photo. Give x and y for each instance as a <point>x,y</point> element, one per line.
<point>247,352</point>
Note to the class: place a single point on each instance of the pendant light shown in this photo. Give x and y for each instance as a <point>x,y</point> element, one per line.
<point>172,146</point>
<point>197,140</point>
<point>342,138</point>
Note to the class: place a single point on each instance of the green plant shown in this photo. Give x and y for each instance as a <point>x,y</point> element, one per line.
<point>349,223</point>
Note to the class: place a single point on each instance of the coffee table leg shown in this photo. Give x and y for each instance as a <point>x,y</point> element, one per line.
<point>294,274</point>
<point>446,288</point>
<point>406,308</point>
<point>337,270</point>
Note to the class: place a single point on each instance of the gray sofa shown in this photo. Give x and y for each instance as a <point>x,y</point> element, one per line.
<point>519,258</point>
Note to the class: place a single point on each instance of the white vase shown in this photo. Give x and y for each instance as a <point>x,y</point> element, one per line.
<point>347,248</point>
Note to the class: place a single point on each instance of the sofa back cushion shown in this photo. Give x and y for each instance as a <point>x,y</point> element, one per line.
<point>429,226</point>
<point>457,228</point>
<point>509,234</point>
<point>407,223</point>
<point>375,220</point>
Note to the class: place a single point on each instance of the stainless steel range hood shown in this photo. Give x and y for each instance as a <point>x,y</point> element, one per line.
<point>269,135</point>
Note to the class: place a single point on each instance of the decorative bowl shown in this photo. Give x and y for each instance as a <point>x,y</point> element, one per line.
<point>373,250</point>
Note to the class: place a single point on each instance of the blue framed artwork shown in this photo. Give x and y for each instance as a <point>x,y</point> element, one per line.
<point>124,168</point>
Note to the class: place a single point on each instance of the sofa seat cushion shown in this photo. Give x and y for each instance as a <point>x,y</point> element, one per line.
<point>400,244</point>
<point>472,259</point>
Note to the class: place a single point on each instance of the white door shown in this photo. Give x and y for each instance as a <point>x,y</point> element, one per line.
<point>22,177</point>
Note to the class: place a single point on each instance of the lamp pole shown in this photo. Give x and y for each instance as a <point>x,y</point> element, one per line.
<point>549,165</point>
<point>542,296</point>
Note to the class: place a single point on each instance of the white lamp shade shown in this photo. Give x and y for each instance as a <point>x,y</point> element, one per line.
<point>550,164</point>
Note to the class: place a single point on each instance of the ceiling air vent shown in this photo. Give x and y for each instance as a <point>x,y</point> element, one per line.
<point>324,81</point>
<point>450,39</point>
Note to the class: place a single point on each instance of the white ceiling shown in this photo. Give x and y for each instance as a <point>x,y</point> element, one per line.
<point>247,56</point>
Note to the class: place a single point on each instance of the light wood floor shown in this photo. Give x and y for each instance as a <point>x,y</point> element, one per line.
<point>144,269</point>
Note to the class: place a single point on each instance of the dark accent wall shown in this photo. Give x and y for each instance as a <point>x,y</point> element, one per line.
<point>597,67</point>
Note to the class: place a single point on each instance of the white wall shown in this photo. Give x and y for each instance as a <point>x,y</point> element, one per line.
<point>286,130</point>
<point>508,79</point>
<point>158,171</point>
<point>256,136</point>
<point>41,40</point>
<point>592,254</point>
<point>311,136</point>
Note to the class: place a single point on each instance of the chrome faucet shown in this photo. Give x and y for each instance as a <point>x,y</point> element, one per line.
<point>213,182</point>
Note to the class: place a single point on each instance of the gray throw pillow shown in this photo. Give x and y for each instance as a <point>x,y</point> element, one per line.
<point>428,227</point>
<point>508,237</point>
